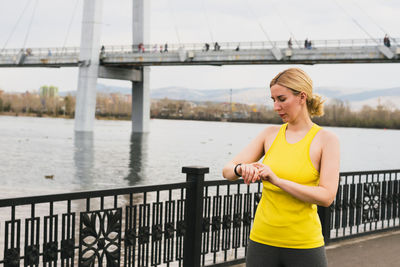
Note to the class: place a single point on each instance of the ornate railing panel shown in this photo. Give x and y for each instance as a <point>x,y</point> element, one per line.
<point>137,226</point>
<point>365,202</point>
<point>228,211</point>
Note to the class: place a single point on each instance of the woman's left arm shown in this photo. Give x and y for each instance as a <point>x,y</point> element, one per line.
<point>325,192</point>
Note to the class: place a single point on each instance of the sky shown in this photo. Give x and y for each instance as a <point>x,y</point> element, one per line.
<point>57,23</point>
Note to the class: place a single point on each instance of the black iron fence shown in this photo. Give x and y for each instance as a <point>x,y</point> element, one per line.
<point>365,202</point>
<point>196,223</point>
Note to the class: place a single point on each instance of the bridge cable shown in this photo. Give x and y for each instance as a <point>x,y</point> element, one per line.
<point>356,22</point>
<point>69,25</point>
<point>16,24</point>
<point>286,24</point>
<point>207,20</point>
<point>368,16</point>
<point>30,23</point>
<point>174,21</point>
<point>258,22</point>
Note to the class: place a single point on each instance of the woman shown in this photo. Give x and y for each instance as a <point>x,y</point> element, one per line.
<point>300,170</point>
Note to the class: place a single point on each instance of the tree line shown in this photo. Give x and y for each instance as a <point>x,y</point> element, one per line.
<point>118,106</point>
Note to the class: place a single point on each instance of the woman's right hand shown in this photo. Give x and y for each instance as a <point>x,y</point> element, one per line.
<point>249,172</point>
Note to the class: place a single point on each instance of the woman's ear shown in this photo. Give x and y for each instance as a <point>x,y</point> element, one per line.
<point>303,97</point>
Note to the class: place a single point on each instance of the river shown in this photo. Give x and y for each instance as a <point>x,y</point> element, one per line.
<point>32,149</point>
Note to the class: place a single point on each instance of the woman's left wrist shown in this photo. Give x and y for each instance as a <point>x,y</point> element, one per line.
<point>236,170</point>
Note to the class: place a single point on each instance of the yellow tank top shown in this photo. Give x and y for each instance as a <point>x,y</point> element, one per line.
<point>282,220</point>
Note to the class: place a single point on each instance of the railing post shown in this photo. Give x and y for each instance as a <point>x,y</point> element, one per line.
<point>193,215</point>
<point>325,218</point>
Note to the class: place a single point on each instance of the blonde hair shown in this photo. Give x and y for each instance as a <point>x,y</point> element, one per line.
<point>298,81</point>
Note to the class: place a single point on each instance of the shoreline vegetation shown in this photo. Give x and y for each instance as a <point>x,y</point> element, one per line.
<point>118,107</point>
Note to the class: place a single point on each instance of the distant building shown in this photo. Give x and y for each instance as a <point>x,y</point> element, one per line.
<point>128,98</point>
<point>240,115</point>
<point>48,91</point>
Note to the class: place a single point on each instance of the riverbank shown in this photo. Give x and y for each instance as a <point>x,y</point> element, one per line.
<point>119,107</point>
<point>182,118</point>
<point>61,116</point>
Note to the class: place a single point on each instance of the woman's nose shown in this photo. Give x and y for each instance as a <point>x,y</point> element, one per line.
<point>277,106</point>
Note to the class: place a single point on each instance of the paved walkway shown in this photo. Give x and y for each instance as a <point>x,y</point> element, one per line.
<point>379,250</point>
<point>375,250</point>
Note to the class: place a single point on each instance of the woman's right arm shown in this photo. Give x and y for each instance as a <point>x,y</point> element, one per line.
<point>250,154</point>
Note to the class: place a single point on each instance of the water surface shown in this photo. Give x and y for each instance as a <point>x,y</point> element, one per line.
<point>110,157</point>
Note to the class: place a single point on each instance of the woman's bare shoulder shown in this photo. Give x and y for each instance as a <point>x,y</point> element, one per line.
<point>270,132</point>
<point>328,137</point>
<point>271,129</point>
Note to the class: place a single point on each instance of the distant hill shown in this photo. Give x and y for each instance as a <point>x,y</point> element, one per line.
<point>253,95</point>
<point>389,96</point>
<point>106,89</point>
<point>243,95</point>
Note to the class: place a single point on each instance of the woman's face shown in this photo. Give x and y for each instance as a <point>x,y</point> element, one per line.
<point>287,105</point>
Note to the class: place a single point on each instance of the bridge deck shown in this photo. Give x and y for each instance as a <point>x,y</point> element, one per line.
<point>322,52</point>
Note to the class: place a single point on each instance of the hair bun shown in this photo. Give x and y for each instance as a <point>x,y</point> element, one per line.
<point>315,106</point>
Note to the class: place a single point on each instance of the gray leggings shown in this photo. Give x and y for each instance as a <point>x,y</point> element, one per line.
<point>260,255</point>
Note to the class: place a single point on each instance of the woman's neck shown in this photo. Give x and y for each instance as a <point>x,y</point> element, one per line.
<point>302,123</point>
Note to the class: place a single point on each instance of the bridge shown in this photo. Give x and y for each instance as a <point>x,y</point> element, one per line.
<point>132,62</point>
<point>321,52</point>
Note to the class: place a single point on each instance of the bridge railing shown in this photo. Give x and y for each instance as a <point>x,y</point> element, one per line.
<point>41,51</point>
<point>160,48</point>
<point>153,48</point>
<point>195,223</point>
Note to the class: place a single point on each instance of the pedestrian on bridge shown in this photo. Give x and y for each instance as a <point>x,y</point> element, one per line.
<point>102,53</point>
<point>290,44</point>
<point>216,46</point>
<point>386,41</point>
<point>299,170</point>
<point>309,46</point>
<point>141,48</point>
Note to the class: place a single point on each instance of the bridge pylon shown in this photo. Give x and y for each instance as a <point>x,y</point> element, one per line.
<point>141,89</point>
<point>90,68</point>
<point>89,65</point>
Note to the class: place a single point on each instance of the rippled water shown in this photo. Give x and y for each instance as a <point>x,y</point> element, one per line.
<point>32,148</point>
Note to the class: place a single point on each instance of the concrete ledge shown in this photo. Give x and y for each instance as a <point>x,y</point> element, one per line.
<point>120,73</point>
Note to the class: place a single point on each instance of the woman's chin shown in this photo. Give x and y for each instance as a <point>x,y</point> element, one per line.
<point>284,119</point>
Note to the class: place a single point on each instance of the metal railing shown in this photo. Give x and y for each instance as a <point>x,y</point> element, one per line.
<point>195,223</point>
<point>42,51</point>
<point>365,202</point>
<point>151,48</point>
<point>254,45</point>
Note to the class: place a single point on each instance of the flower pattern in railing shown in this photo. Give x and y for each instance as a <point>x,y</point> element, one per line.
<point>371,202</point>
<point>100,235</point>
